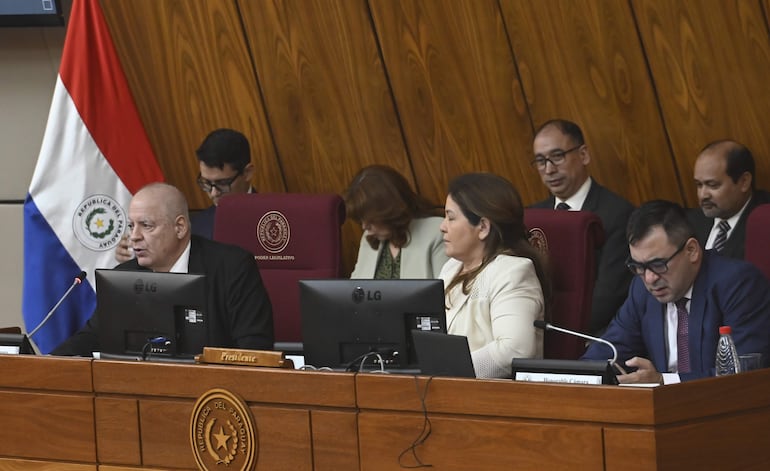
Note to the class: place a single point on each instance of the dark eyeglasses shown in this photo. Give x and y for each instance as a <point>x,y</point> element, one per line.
<point>556,158</point>
<point>658,266</point>
<point>223,186</point>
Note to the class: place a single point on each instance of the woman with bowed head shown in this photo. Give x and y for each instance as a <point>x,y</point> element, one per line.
<point>495,281</point>
<point>401,228</point>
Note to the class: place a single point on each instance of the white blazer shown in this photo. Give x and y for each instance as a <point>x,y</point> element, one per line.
<point>422,257</point>
<point>497,315</point>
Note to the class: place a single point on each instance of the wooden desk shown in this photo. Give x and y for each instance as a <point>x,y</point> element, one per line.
<point>78,414</point>
<point>484,425</point>
<point>46,413</point>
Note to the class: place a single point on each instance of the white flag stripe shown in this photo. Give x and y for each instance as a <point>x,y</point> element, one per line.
<point>59,189</point>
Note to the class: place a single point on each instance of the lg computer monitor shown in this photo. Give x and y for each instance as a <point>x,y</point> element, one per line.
<point>150,315</point>
<point>31,13</point>
<point>344,320</point>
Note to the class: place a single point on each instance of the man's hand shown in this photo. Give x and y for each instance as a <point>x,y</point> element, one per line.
<point>645,373</point>
<point>123,252</point>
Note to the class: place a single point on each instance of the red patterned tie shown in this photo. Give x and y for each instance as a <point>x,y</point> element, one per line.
<point>682,341</point>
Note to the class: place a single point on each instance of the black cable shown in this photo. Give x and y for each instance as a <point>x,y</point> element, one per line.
<point>424,434</point>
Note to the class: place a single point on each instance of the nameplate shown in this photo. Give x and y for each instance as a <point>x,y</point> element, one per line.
<point>557,378</point>
<point>236,356</point>
<point>9,349</point>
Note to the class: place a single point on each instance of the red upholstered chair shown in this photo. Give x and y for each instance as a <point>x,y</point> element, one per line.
<point>293,236</point>
<point>757,248</point>
<point>571,239</point>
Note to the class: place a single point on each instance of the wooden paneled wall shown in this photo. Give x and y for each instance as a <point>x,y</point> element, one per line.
<point>436,88</point>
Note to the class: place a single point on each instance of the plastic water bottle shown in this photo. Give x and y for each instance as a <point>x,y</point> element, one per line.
<point>727,358</point>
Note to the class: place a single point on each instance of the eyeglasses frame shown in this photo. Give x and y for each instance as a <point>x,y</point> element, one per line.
<point>226,182</point>
<point>635,267</point>
<point>541,162</point>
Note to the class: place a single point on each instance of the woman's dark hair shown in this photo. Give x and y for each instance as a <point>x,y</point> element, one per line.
<point>485,195</point>
<point>379,194</point>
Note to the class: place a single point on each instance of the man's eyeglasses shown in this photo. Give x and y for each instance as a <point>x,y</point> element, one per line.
<point>223,186</point>
<point>658,266</point>
<point>556,158</point>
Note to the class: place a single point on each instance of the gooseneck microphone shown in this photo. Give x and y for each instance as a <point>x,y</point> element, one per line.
<point>548,326</point>
<point>78,279</point>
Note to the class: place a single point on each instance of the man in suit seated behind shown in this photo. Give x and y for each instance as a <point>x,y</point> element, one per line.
<point>224,158</point>
<point>724,177</point>
<point>668,326</point>
<point>561,159</point>
<point>239,310</point>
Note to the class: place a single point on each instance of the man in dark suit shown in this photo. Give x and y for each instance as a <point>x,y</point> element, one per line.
<point>669,326</point>
<point>224,158</point>
<point>562,158</point>
<point>225,167</point>
<point>239,310</point>
<point>724,177</point>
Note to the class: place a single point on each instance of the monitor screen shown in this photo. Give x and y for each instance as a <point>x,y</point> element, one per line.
<point>31,13</point>
<point>343,320</point>
<point>143,313</point>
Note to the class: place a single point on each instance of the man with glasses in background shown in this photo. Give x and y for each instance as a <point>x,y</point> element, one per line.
<point>668,327</point>
<point>561,159</point>
<point>225,164</point>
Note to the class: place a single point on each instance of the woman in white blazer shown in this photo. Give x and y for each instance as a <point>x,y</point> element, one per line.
<point>495,281</point>
<point>401,228</point>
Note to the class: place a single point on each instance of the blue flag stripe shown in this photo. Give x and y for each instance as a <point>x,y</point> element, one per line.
<point>44,253</point>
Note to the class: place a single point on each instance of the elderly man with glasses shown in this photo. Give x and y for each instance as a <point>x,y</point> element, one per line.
<point>561,159</point>
<point>668,327</point>
<point>224,158</point>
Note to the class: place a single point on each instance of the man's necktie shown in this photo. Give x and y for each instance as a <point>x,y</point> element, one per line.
<point>563,206</point>
<point>719,242</point>
<point>682,341</point>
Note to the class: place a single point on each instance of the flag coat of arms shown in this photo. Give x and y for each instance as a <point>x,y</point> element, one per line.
<point>95,154</point>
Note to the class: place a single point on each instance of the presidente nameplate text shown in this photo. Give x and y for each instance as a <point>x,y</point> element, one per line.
<point>236,356</point>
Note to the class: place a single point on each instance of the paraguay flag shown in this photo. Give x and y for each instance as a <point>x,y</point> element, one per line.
<point>95,155</point>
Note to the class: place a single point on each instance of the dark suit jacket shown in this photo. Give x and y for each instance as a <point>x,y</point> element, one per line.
<point>726,292</point>
<point>735,244</point>
<point>239,310</point>
<point>612,277</point>
<point>202,222</point>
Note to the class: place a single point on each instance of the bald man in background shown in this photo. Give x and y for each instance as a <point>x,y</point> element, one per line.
<point>238,308</point>
<point>724,178</point>
<point>561,157</point>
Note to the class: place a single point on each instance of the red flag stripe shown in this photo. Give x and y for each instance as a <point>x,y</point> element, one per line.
<point>90,70</point>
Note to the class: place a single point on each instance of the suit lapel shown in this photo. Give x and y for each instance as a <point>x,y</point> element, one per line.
<point>195,263</point>
<point>592,198</point>
<point>656,325</point>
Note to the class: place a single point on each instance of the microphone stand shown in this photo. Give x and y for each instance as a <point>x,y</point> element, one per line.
<point>78,279</point>
<point>549,326</point>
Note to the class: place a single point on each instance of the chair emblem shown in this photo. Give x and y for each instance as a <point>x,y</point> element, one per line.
<point>273,231</point>
<point>538,240</point>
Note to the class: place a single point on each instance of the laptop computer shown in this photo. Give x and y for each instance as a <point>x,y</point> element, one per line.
<point>440,354</point>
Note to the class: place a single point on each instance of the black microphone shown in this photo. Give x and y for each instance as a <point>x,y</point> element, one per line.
<point>548,326</point>
<point>78,279</point>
